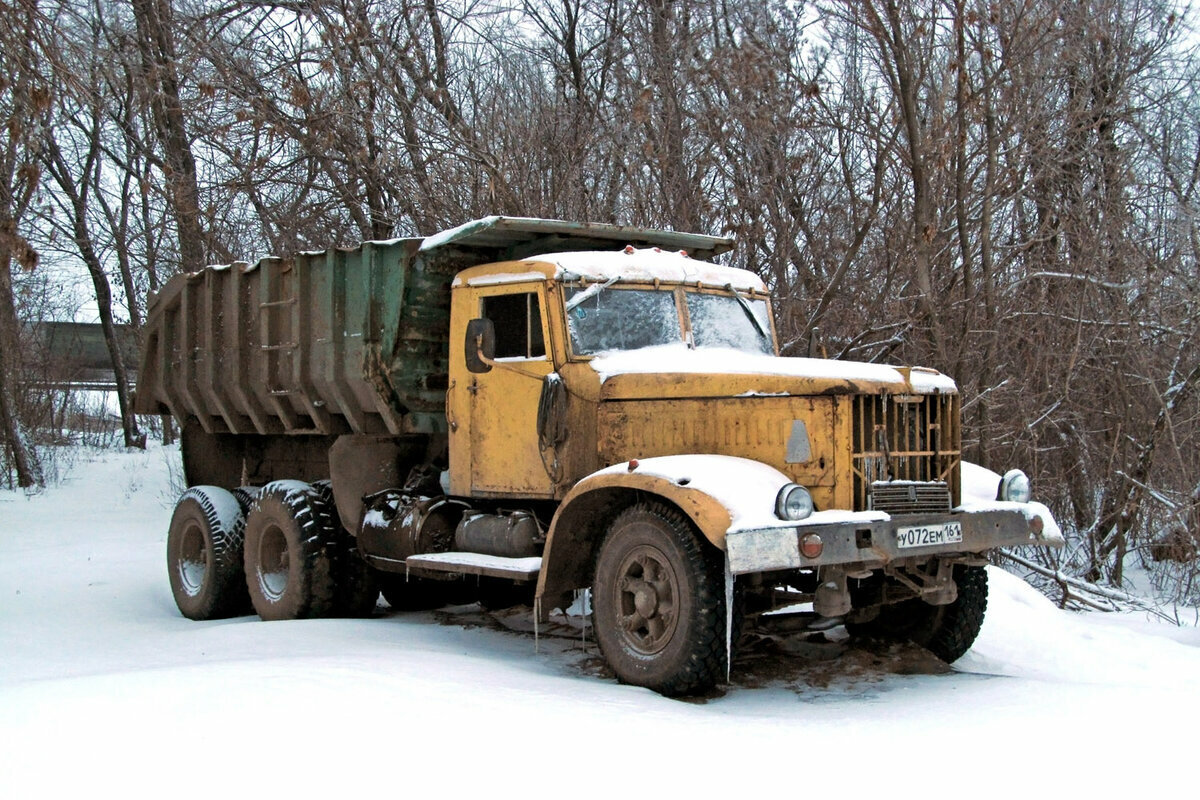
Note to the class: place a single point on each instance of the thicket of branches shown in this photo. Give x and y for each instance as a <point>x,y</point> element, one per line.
<point>1004,191</point>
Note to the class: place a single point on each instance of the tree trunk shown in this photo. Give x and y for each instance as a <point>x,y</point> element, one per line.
<point>24,459</point>
<point>157,47</point>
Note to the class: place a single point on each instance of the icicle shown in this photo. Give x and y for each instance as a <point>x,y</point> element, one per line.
<point>586,608</point>
<point>537,615</point>
<point>728,618</point>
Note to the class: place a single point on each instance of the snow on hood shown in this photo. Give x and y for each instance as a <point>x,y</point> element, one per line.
<point>677,357</point>
<point>648,264</point>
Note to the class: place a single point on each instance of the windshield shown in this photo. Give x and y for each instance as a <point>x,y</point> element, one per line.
<point>720,320</point>
<point>620,319</point>
<point>602,317</point>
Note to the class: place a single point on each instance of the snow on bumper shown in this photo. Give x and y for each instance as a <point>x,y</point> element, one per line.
<point>871,538</point>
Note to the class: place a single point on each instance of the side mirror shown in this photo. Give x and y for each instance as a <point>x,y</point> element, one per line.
<point>480,346</point>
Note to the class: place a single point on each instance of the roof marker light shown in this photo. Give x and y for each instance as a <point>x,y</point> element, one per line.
<point>629,250</point>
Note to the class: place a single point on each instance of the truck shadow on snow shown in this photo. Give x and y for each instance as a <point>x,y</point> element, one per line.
<point>804,662</point>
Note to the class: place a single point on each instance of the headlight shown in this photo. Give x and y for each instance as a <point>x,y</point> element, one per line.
<point>793,502</point>
<point>1014,487</point>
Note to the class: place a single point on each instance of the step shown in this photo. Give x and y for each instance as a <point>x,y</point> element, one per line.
<point>517,569</point>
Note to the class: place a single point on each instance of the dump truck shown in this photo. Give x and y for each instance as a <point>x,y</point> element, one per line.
<point>526,410</point>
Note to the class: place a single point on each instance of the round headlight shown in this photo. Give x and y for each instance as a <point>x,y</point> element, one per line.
<point>1014,487</point>
<point>793,502</point>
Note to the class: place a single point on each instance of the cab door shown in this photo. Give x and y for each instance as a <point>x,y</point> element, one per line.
<point>505,457</point>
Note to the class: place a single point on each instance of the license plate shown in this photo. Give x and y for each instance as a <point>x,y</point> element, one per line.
<point>929,535</point>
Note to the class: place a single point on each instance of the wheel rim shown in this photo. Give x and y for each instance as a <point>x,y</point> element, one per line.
<point>646,599</point>
<point>194,559</point>
<point>273,563</point>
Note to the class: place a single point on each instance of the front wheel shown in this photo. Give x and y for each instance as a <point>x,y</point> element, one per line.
<point>659,602</point>
<point>946,631</point>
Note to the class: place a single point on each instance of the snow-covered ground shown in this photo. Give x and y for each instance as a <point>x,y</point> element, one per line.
<point>105,690</point>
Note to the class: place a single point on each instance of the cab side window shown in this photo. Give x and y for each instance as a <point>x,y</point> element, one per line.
<point>518,322</point>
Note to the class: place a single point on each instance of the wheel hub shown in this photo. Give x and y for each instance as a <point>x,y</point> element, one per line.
<point>646,600</point>
<point>274,563</point>
<point>194,557</point>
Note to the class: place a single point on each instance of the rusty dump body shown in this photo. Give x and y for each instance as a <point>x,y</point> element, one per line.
<point>558,406</point>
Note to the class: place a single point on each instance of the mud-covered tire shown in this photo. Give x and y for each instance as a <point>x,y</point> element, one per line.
<point>288,564</point>
<point>355,588</point>
<point>204,554</point>
<point>658,600</point>
<point>946,631</point>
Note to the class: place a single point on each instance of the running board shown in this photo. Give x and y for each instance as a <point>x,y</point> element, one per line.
<point>516,569</point>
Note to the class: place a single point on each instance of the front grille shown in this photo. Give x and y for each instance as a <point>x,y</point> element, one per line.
<point>910,497</point>
<point>905,438</point>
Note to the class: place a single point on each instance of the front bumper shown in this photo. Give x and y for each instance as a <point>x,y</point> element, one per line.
<point>870,542</point>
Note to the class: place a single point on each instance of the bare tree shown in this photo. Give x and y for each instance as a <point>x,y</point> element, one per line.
<point>24,105</point>
<point>76,165</point>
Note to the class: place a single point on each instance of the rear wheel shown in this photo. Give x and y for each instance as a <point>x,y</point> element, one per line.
<point>355,591</point>
<point>288,562</point>
<point>659,602</point>
<point>204,554</point>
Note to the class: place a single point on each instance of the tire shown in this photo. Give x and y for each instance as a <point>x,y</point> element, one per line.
<point>946,631</point>
<point>658,600</point>
<point>204,554</point>
<point>288,563</point>
<point>246,496</point>
<point>355,589</point>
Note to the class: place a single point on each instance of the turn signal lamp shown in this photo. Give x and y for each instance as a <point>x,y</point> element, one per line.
<point>811,545</point>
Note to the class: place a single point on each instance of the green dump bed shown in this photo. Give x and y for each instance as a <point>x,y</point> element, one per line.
<point>342,340</point>
<point>330,342</point>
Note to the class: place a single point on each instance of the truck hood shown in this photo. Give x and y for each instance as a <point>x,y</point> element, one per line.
<point>674,370</point>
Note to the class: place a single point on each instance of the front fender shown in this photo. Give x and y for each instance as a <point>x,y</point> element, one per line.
<point>718,493</point>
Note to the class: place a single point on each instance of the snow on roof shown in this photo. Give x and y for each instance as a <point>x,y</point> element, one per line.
<point>649,264</point>
<point>678,357</point>
<point>598,266</point>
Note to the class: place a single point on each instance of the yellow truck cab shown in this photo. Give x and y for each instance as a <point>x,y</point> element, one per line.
<point>616,418</point>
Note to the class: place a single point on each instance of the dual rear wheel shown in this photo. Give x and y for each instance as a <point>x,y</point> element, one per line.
<point>280,550</point>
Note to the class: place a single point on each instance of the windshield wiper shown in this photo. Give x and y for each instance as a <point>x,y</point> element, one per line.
<point>589,292</point>
<point>749,312</point>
